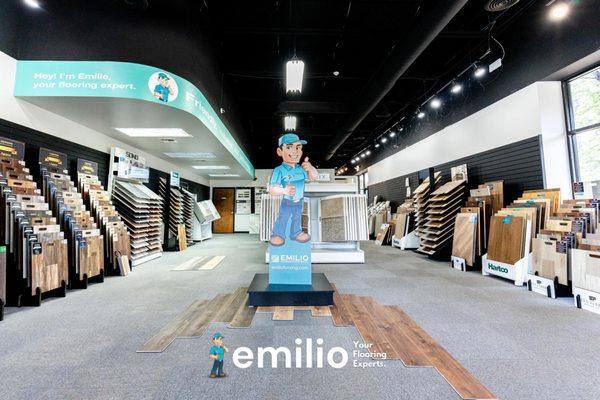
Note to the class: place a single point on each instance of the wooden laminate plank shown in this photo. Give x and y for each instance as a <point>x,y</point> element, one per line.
<point>228,310</point>
<point>461,380</point>
<point>198,322</point>
<point>506,239</point>
<point>363,323</point>
<point>212,263</point>
<point>165,336</point>
<point>320,311</point>
<point>243,316</point>
<point>379,324</point>
<point>283,314</point>
<point>339,314</point>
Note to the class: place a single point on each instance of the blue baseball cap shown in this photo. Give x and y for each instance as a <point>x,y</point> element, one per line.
<point>218,335</point>
<point>290,138</point>
<point>162,75</point>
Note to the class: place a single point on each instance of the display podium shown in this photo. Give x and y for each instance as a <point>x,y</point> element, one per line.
<point>263,294</point>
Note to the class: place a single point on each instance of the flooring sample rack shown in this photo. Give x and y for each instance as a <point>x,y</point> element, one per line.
<point>436,228</point>
<point>204,215</point>
<point>37,251</point>
<point>140,209</point>
<point>85,242</point>
<point>117,241</point>
<point>346,250</point>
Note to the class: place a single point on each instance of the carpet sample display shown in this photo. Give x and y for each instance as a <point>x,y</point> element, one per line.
<point>140,209</point>
<point>344,218</point>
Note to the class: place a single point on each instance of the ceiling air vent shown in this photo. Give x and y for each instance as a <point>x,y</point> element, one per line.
<point>499,5</point>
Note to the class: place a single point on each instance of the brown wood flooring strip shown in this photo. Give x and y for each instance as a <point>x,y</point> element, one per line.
<point>461,380</point>
<point>244,316</point>
<point>339,312</point>
<point>379,324</point>
<point>320,311</point>
<point>161,340</point>
<point>409,352</point>
<point>197,324</point>
<point>283,314</point>
<point>227,312</point>
<point>363,323</point>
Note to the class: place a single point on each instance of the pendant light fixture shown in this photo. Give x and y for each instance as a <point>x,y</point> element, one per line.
<point>294,73</point>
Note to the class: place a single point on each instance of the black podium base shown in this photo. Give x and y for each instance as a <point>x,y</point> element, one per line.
<point>261,294</point>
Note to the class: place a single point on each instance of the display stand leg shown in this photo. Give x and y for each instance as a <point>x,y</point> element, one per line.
<point>1,310</point>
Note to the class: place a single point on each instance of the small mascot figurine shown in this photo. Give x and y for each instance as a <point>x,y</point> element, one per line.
<point>287,180</point>
<point>217,353</point>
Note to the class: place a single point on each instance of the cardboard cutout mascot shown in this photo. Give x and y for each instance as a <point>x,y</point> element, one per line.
<point>289,245</point>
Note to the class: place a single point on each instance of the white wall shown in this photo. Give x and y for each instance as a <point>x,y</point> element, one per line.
<point>23,113</point>
<point>262,178</point>
<point>533,110</point>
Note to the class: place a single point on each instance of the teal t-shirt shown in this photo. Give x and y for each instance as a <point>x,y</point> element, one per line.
<point>163,92</point>
<point>218,351</point>
<point>285,175</point>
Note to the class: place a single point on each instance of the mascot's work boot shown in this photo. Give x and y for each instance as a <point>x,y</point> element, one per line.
<point>213,375</point>
<point>276,240</point>
<point>223,375</point>
<point>302,237</point>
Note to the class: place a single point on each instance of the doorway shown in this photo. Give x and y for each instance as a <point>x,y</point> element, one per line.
<point>224,200</point>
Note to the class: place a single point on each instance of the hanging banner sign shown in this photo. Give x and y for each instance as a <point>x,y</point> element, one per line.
<point>51,158</point>
<point>12,149</point>
<point>87,167</point>
<point>126,81</point>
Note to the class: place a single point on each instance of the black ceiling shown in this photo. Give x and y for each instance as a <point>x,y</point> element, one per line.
<point>255,39</point>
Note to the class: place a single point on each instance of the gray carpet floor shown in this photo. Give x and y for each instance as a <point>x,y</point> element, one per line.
<point>519,344</point>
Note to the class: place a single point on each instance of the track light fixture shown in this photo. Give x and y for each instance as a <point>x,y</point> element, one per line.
<point>392,133</point>
<point>376,145</point>
<point>32,3</point>
<point>420,115</point>
<point>368,152</point>
<point>353,161</point>
<point>559,11</point>
<point>435,103</point>
<point>480,71</point>
<point>456,88</point>
<point>383,139</point>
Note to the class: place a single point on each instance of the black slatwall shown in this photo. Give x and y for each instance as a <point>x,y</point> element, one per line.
<point>519,164</point>
<point>34,140</point>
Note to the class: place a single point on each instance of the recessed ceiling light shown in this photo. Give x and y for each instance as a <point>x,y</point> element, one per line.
<point>211,167</point>
<point>383,139</point>
<point>197,155</point>
<point>32,3</point>
<point>421,115</point>
<point>154,132</point>
<point>336,73</point>
<point>223,175</point>
<point>435,103</point>
<point>559,11</point>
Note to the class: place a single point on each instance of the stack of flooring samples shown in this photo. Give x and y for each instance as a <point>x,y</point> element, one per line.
<point>436,227</point>
<point>421,197</point>
<point>176,216</point>
<point>188,213</point>
<point>162,192</point>
<point>204,214</point>
<point>343,218</point>
<point>379,213</point>
<point>464,244</point>
<point>86,244</point>
<point>269,210</point>
<point>404,219</point>
<point>487,199</point>
<point>140,208</point>
<point>117,246</point>
<point>586,269</point>
<point>36,245</point>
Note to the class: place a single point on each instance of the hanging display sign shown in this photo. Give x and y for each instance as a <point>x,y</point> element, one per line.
<point>126,81</point>
<point>130,165</point>
<point>175,179</point>
<point>54,159</point>
<point>87,167</point>
<point>12,149</point>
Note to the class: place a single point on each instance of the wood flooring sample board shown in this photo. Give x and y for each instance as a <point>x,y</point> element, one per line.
<point>549,263</point>
<point>507,234</point>
<point>465,235</point>
<point>586,269</point>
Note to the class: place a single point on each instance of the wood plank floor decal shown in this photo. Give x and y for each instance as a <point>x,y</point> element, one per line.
<point>388,328</point>
<point>200,263</point>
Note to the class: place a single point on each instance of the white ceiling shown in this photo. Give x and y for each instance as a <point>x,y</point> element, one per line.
<point>105,114</point>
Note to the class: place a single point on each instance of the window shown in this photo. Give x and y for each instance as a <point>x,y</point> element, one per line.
<point>363,184</point>
<point>583,111</point>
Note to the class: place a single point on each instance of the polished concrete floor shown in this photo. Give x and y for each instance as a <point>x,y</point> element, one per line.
<point>520,345</point>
